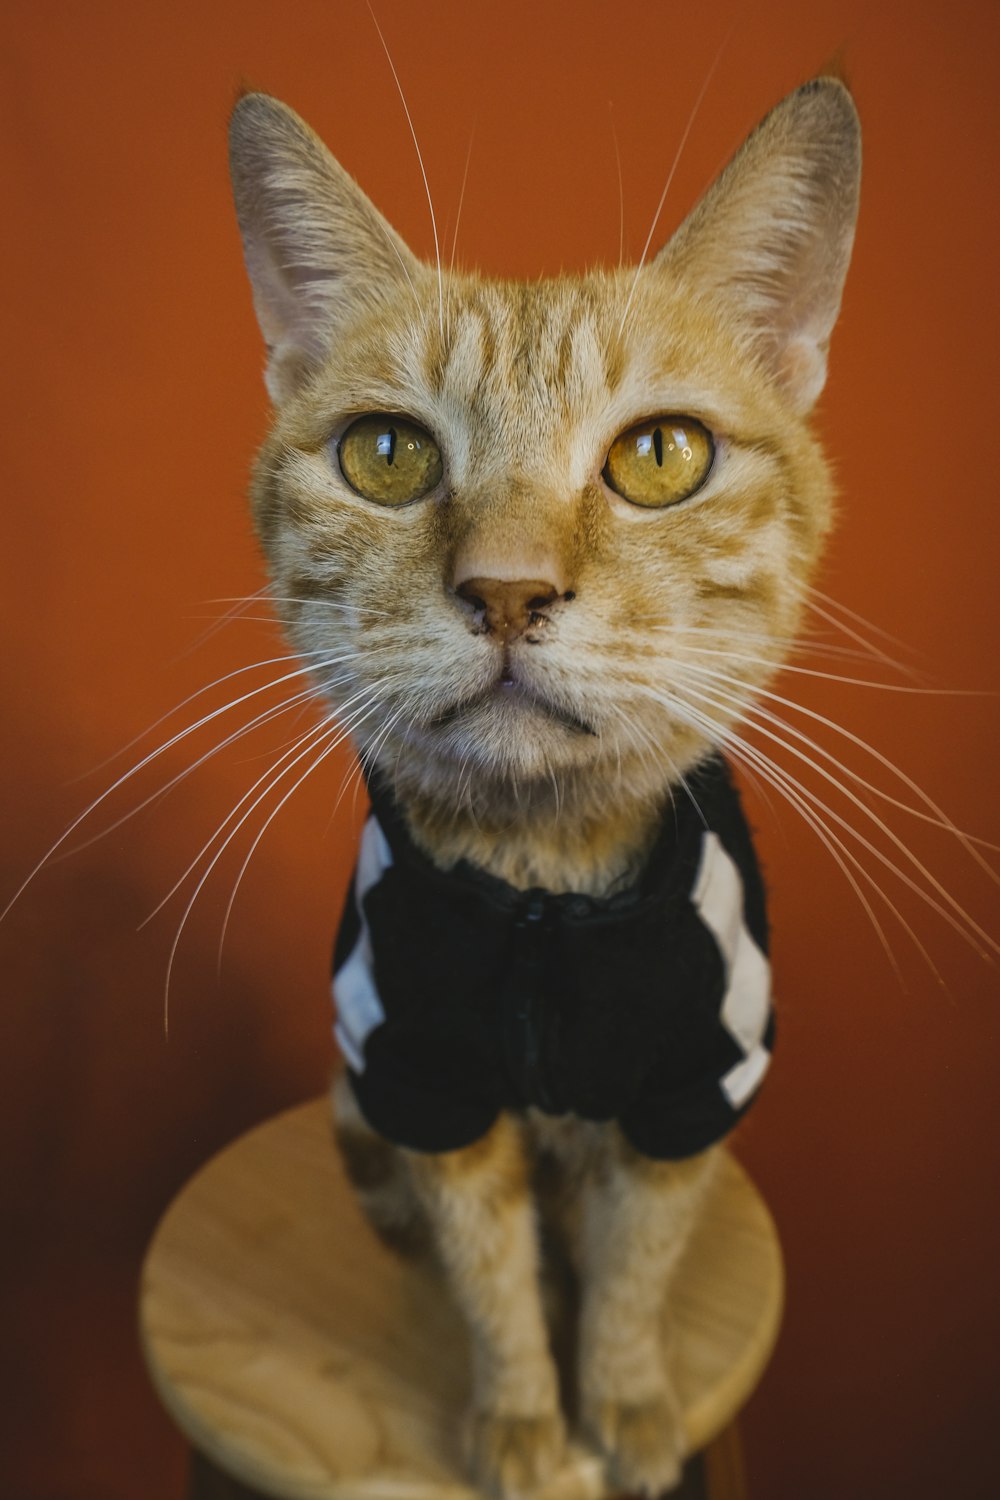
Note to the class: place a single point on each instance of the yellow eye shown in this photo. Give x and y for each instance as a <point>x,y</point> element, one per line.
<point>660,461</point>
<point>389,459</point>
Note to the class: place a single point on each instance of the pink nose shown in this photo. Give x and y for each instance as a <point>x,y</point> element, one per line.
<point>509,608</point>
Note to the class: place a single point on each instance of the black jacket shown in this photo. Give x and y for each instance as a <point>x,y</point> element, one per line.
<point>459,996</point>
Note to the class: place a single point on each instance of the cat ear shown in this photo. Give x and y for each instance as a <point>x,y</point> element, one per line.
<point>317,251</point>
<point>771,239</point>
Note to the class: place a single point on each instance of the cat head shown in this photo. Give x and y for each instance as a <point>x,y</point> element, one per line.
<point>543,541</point>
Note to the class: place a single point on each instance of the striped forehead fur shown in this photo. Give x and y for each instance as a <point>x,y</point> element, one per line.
<point>524,388</point>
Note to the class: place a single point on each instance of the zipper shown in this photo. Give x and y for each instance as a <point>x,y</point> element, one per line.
<point>525,1004</point>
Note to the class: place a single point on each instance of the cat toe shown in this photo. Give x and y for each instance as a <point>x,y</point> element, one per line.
<point>642,1442</point>
<point>514,1456</point>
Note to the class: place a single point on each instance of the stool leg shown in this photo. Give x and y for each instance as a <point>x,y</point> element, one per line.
<point>206,1482</point>
<point>725,1471</point>
<point>692,1484</point>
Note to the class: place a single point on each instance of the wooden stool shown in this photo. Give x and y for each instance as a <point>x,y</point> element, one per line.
<point>304,1361</point>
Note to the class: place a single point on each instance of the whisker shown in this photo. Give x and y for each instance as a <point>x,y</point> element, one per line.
<point>557,795</point>
<point>865,682</point>
<point>257,722</point>
<point>461,203</point>
<point>357,609</point>
<point>239,606</point>
<point>802,643</point>
<point>140,766</point>
<point>365,697</point>
<point>368,755</point>
<point>854,635</point>
<point>320,666</point>
<point>420,159</point>
<point>454,237</point>
<point>970,931</point>
<point>794,792</point>
<point>670,175</point>
<point>331,725</point>
<point>352,780</point>
<point>191,698</point>
<point>328,749</point>
<point>315,734</point>
<point>655,755</point>
<point>835,604</point>
<point>286,755</point>
<point>937,817</point>
<point>355,775</point>
<point>842,855</point>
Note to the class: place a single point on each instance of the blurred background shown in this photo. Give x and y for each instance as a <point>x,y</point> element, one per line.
<point>132,404</point>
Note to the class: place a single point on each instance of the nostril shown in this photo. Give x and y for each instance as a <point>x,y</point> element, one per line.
<point>542,601</point>
<point>464,591</point>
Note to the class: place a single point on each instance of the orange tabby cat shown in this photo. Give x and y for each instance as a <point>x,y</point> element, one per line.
<point>525,534</point>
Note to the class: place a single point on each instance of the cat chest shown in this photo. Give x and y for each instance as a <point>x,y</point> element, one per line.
<point>454,1003</point>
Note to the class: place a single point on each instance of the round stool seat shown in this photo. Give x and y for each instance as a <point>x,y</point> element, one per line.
<point>306,1361</point>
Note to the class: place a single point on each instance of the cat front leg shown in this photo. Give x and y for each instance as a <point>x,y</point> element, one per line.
<point>380,1175</point>
<point>637,1216</point>
<point>479,1204</point>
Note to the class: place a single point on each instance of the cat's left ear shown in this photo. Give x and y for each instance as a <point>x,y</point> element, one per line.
<point>771,239</point>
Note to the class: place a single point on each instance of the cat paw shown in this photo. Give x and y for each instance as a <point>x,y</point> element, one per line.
<point>642,1442</point>
<point>514,1456</point>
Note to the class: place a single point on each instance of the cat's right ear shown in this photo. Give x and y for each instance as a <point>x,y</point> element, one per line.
<point>317,250</point>
<point>771,240</point>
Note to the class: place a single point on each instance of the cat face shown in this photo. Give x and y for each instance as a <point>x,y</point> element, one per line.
<point>574,535</point>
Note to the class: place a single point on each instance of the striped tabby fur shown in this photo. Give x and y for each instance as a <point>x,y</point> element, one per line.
<point>560,784</point>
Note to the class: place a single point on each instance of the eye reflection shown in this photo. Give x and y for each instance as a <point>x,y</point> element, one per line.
<point>660,462</point>
<point>389,459</point>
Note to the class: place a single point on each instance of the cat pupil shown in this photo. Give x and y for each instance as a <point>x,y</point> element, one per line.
<point>385,445</point>
<point>654,441</point>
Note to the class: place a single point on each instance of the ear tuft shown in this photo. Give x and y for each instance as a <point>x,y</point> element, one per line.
<point>771,240</point>
<point>242,89</point>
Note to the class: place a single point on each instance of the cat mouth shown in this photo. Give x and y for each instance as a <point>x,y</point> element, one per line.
<point>507,693</point>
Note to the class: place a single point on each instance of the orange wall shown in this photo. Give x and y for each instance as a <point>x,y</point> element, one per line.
<point>133,404</point>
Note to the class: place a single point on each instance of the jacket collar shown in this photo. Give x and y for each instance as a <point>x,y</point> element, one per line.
<point>668,873</point>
